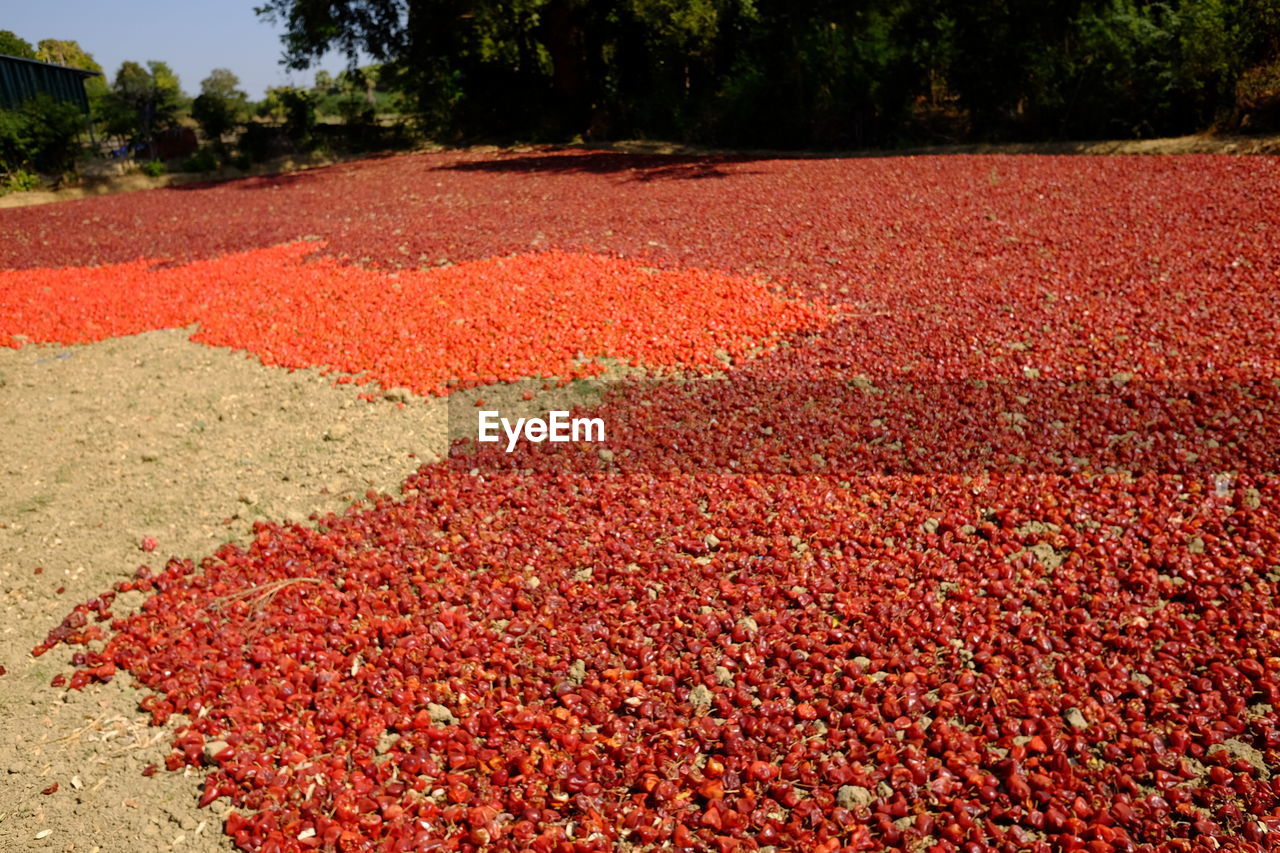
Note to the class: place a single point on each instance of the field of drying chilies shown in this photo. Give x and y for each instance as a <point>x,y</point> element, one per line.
<point>938,513</point>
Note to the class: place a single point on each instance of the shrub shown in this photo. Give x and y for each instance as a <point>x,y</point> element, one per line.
<point>1258,96</point>
<point>203,160</point>
<point>153,168</point>
<point>21,181</point>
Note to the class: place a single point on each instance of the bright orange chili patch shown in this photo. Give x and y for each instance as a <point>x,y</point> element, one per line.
<point>498,319</point>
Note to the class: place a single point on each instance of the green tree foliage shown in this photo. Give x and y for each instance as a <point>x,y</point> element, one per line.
<point>13,45</point>
<point>41,135</point>
<point>355,95</point>
<point>295,108</point>
<point>220,106</point>
<point>802,72</point>
<point>68,52</point>
<point>142,101</point>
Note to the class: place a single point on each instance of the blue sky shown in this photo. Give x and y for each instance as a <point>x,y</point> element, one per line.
<point>194,38</point>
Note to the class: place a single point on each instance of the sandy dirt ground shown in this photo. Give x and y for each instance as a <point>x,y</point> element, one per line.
<point>151,435</point>
<point>154,435</point>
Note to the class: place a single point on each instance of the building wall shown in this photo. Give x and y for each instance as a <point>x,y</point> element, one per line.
<point>22,79</point>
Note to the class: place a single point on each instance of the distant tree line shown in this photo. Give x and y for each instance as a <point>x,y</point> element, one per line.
<point>810,72</point>
<point>746,73</point>
<point>136,111</point>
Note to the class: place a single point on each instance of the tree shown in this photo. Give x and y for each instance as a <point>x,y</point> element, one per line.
<point>42,135</point>
<point>167,86</point>
<point>12,45</point>
<point>220,106</point>
<point>142,101</point>
<point>294,107</point>
<point>69,53</point>
<point>799,72</point>
<point>485,65</point>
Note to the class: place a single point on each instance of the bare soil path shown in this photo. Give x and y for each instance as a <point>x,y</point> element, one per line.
<point>151,435</point>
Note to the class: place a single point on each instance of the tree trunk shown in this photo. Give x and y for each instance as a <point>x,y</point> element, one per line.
<point>561,32</point>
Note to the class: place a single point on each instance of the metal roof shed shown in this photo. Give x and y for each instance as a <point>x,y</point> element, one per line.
<point>23,79</point>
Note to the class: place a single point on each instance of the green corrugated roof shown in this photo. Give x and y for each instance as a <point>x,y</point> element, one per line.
<point>22,79</point>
